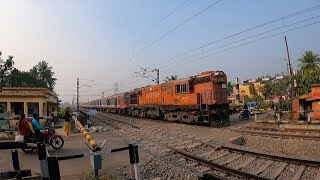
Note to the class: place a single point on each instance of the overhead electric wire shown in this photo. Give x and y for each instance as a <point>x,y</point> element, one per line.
<point>212,54</point>
<point>247,30</point>
<point>176,27</point>
<point>163,19</point>
<point>237,41</point>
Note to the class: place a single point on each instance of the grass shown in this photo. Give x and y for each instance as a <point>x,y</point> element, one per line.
<point>89,175</point>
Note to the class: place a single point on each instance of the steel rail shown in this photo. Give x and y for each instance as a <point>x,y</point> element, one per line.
<point>105,122</point>
<point>268,155</point>
<point>279,135</point>
<point>283,129</point>
<point>217,166</point>
<point>130,124</point>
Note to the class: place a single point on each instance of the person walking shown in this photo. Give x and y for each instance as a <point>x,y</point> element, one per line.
<point>37,127</point>
<point>67,127</point>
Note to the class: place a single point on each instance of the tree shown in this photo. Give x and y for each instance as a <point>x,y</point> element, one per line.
<point>170,78</point>
<point>307,77</point>
<point>230,87</point>
<point>252,90</point>
<point>266,89</point>
<point>309,60</point>
<point>44,75</point>
<point>40,75</point>
<point>5,67</point>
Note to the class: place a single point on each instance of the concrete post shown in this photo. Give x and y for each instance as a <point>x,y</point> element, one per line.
<point>40,109</point>
<point>42,155</point>
<point>25,108</point>
<point>9,108</point>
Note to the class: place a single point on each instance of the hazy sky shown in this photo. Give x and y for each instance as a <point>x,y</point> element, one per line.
<point>95,40</point>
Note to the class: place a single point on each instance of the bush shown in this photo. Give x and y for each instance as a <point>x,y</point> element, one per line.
<point>62,112</point>
<point>82,118</point>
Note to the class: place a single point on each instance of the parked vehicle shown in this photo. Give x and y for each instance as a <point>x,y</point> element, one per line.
<point>49,138</point>
<point>253,107</point>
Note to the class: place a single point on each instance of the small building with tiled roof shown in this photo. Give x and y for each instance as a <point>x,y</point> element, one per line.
<point>18,100</point>
<point>308,102</point>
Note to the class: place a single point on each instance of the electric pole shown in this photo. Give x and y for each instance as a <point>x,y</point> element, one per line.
<point>72,101</point>
<point>116,88</point>
<point>292,76</point>
<point>237,91</point>
<point>158,75</point>
<point>78,95</point>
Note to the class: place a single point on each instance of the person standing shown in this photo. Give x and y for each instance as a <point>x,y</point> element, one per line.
<point>37,127</point>
<point>67,127</point>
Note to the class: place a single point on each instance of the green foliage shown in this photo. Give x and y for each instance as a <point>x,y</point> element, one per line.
<point>309,60</point>
<point>5,67</point>
<point>253,99</point>
<point>82,119</point>
<point>230,87</point>
<point>307,77</point>
<point>252,90</point>
<point>280,87</point>
<point>170,78</point>
<point>40,75</point>
<point>62,112</point>
<point>266,89</point>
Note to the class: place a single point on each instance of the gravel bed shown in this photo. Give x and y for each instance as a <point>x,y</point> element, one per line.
<point>309,173</point>
<point>289,172</point>
<point>225,158</point>
<point>254,166</point>
<point>238,161</point>
<point>161,133</point>
<point>271,169</point>
<point>200,149</point>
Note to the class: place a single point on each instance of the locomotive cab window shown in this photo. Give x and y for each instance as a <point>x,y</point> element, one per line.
<point>181,88</point>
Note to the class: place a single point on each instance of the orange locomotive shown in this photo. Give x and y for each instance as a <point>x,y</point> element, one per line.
<point>199,99</point>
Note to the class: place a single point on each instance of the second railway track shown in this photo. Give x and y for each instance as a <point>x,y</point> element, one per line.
<point>308,134</point>
<point>222,162</point>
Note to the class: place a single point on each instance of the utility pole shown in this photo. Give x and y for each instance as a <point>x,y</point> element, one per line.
<point>292,76</point>
<point>78,95</point>
<point>237,91</point>
<point>158,75</point>
<point>116,88</point>
<point>102,94</point>
<point>72,101</point>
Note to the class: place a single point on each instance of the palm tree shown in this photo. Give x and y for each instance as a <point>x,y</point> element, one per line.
<point>309,60</point>
<point>170,78</point>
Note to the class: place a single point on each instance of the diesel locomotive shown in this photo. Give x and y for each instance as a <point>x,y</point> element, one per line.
<point>200,99</point>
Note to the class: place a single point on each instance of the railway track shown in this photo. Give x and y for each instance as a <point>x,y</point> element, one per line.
<point>308,134</point>
<point>218,161</point>
<point>228,162</point>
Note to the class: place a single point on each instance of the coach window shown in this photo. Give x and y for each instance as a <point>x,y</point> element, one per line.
<point>181,88</point>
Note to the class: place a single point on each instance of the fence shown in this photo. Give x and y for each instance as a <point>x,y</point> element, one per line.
<point>49,165</point>
<point>304,115</point>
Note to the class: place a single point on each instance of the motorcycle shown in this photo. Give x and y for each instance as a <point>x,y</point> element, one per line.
<point>49,138</point>
<point>244,115</point>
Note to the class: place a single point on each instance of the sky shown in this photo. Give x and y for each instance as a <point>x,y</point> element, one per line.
<point>103,42</point>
